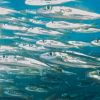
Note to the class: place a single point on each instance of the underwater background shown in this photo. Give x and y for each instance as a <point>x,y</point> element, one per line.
<point>26,73</point>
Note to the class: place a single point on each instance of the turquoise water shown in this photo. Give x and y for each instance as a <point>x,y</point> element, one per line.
<point>32,67</point>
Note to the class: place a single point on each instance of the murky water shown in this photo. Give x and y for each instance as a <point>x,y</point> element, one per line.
<point>49,50</point>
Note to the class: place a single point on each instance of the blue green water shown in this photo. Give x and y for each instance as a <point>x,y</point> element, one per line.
<point>50,80</point>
